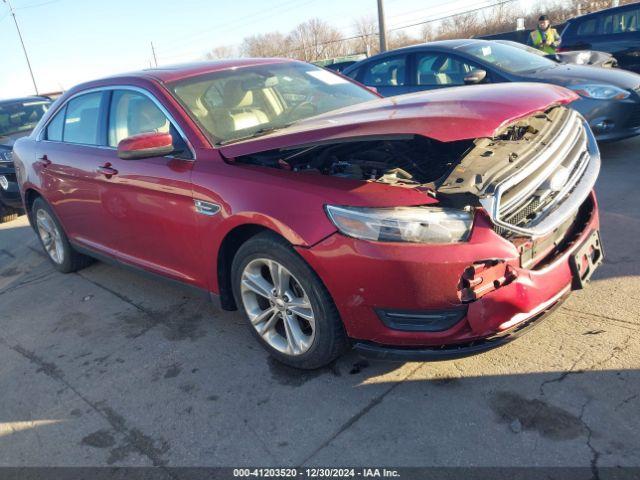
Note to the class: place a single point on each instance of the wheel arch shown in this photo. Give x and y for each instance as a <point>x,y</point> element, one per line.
<point>229,246</point>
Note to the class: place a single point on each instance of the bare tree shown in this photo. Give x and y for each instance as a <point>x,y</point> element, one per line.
<point>366,28</point>
<point>427,33</point>
<point>220,52</point>
<point>272,44</point>
<point>399,39</point>
<point>465,25</point>
<point>315,40</point>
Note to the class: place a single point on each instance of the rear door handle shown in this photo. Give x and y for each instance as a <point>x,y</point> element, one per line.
<point>44,160</point>
<point>107,170</point>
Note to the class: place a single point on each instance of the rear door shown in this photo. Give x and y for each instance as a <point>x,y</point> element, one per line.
<point>73,145</point>
<point>148,203</point>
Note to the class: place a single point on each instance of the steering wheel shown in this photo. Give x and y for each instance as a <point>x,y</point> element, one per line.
<point>300,108</point>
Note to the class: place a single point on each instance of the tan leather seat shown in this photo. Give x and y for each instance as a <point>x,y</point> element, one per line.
<point>239,112</point>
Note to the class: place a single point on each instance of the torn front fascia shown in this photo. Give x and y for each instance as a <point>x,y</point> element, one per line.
<point>483,277</point>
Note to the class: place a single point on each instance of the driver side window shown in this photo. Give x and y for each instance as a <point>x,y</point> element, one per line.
<point>441,69</point>
<point>132,113</point>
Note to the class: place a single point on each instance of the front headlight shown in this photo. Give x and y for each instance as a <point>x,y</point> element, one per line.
<point>601,92</point>
<point>403,224</point>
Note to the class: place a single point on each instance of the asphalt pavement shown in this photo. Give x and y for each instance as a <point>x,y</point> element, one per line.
<point>108,367</point>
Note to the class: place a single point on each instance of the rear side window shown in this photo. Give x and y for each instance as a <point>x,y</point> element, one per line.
<point>81,123</point>
<point>54,129</point>
<point>387,72</point>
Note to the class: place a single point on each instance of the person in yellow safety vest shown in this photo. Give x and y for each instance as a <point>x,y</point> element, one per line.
<point>545,38</point>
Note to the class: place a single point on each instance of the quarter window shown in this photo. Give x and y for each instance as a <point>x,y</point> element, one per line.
<point>388,72</point>
<point>133,113</point>
<point>82,119</point>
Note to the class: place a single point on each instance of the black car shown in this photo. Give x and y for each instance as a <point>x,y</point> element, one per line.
<point>18,117</point>
<point>614,30</point>
<point>609,97</point>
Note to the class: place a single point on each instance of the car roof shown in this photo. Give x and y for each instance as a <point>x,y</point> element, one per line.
<point>172,73</point>
<point>9,101</point>
<point>605,11</point>
<point>447,44</point>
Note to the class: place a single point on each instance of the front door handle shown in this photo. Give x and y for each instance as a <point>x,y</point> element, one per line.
<point>107,170</point>
<point>44,160</point>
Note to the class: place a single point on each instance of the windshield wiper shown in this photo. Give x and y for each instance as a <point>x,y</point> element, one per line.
<point>257,133</point>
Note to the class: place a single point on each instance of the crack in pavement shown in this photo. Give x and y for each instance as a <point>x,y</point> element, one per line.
<point>595,454</point>
<point>601,317</point>
<point>375,401</point>
<point>134,438</point>
<point>564,374</point>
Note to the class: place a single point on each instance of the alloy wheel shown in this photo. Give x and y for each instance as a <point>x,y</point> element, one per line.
<point>277,306</point>
<point>50,236</point>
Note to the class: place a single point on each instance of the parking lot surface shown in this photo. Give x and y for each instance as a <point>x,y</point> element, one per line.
<point>108,367</point>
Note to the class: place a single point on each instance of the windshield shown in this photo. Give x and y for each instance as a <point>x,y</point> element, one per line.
<point>508,58</point>
<point>248,101</point>
<point>21,116</point>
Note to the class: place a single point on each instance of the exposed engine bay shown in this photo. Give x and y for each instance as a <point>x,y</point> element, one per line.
<point>539,158</point>
<point>407,160</point>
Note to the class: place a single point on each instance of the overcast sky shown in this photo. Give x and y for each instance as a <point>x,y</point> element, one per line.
<point>70,41</point>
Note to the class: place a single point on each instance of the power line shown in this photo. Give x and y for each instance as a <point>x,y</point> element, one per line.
<point>24,49</point>
<point>497,4</point>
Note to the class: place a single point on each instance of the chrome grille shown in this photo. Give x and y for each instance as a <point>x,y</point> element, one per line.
<point>551,186</point>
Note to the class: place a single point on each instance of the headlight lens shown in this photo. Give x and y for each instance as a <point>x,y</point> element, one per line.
<point>403,224</point>
<point>601,92</point>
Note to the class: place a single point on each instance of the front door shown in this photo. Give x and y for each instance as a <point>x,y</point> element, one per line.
<point>148,203</point>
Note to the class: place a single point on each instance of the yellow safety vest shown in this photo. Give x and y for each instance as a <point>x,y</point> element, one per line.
<point>536,39</point>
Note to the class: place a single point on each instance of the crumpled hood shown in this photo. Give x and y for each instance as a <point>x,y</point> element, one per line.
<point>448,114</point>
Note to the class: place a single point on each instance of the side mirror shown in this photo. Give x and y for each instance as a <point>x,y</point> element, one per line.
<point>475,76</point>
<point>145,145</point>
<point>373,89</point>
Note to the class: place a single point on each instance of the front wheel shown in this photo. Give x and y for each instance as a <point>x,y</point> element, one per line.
<point>288,308</point>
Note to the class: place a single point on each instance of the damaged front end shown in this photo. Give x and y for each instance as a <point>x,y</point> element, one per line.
<point>531,177</point>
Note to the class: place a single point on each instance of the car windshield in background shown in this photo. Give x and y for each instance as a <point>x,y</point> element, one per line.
<point>508,58</point>
<point>23,116</point>
<point>250,101</point>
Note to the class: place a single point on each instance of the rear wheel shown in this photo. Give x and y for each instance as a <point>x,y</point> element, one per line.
<point>54,241</point>
<point>288,308</point>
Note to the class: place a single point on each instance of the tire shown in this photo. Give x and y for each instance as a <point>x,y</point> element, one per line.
<point>54,240</point>
<point>315,343</point>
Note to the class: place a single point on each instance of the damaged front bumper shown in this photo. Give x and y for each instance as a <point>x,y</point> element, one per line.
<point>365,278</point>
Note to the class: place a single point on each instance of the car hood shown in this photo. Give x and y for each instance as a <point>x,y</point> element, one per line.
<point>568,75</point>
<point>7,141</point>
<point>449,114</point>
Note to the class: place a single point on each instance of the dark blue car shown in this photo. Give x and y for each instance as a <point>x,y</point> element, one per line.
<point>609,98</point>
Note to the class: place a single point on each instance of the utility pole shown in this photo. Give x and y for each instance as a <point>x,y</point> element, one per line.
<point>24,49</point>
<point>381,28</point>
<point>153,51</point>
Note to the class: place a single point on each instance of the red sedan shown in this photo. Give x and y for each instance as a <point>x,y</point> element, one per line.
<point>425,226</point>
